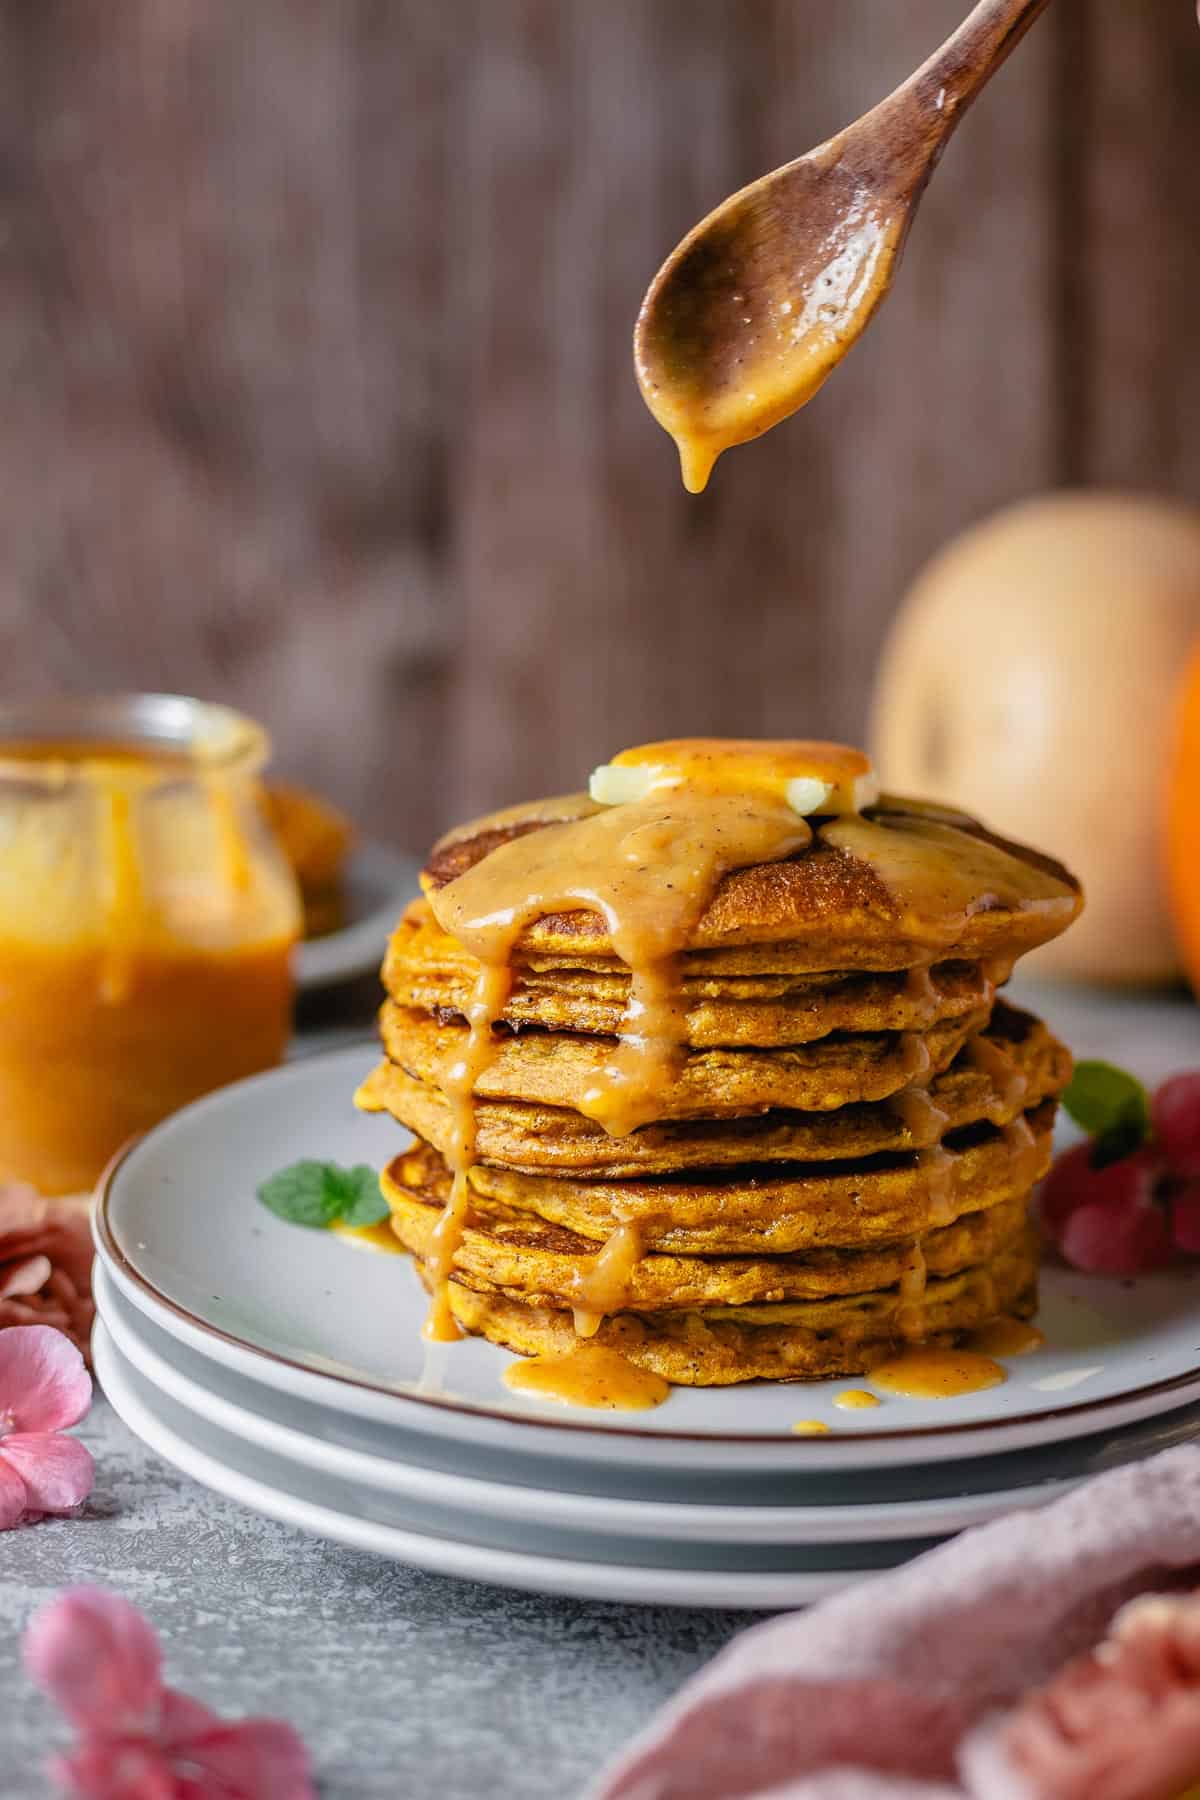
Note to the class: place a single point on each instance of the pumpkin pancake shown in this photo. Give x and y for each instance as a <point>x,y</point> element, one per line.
<point>426,969</point>
<point>793,1340</point>
<point>838,904</point>
<point>756,1210</point>
<point>515,1253</point>
<point>1029,1066</point>
<point>554,1068</point>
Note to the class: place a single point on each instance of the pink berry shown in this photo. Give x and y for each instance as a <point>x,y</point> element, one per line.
<point>1069,1183</point>
<point>1118,1229</point>
<point>1185,1218</point>
<point>1175,1116</point>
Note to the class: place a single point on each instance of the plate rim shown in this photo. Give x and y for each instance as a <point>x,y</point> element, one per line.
<point>788,1525</point>
<point>107,1242</point>
<point>525,1571</point>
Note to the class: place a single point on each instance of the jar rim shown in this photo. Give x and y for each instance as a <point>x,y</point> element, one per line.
<point>212,737</point>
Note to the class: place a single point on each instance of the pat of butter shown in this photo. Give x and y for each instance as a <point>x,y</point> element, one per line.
<point>806,794</point>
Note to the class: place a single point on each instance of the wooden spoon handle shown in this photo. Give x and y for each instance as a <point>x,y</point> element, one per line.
<point>931,101</point>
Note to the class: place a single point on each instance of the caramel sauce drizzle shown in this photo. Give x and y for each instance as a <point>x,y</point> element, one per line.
<point>1005,1337</point>
<point>920,1114</point>
<point>937,1165</point>
<point>996,971</point>
<point>914,1057</point>
<point>940,875</point>
<point>458,1078</point>
<point>1019,1136</point>
<point>925,1121</point>
<point>124,896</point>
<point>1010,1083</point>
<point>938,1374</point>
<point>588,1375</point>
<point>920,989</point>
<point>910,1315</point>
<point>603,1286</point>
<point>231,837</point>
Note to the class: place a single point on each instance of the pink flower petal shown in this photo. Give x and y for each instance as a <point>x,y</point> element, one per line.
<point>182,1720</point>
<point>25,1277</point>
<point>57,1471</point>
<point>252,1759</point>
<point>98,1658</point>
<point>43,1383</point>
<point>116,1769</point>
<point>14,1500</point>
<point>21,1207</point>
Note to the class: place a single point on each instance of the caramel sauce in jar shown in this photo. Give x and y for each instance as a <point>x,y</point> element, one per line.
<point>147,923</point>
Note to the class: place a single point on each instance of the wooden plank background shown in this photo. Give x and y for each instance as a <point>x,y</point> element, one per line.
<point>318,392</point>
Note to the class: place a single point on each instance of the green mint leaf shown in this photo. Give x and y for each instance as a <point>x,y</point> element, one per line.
<point>1111,1106</point>
<point>365,1205</point>
<point>306,1193</point>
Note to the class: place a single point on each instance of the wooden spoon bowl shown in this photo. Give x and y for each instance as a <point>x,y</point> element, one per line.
<point>751,312</point>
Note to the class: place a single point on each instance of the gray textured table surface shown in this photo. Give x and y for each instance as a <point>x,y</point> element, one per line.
<point>401,1682</point>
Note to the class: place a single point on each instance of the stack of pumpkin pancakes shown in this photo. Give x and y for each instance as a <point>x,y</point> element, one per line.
<point>841,1163</point>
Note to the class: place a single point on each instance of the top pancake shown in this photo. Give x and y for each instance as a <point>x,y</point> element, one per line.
<point>828,907</point>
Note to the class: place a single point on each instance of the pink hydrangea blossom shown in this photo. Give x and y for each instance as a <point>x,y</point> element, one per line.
<point>46,1262</point>
<point>99,1660</point>
<point>1123,1721</point>
<point>44,1388</point>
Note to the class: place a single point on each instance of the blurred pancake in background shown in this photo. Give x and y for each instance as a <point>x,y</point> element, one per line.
<point>317,840</point>
<point>350,887</point>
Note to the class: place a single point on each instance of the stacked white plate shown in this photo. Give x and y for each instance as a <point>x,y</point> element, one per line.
<point>285,1368</point>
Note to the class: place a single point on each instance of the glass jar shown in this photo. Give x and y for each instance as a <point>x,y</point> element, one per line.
<point>147,923</point>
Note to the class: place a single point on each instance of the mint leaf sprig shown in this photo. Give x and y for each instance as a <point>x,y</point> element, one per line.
<point>1113,1108</point>
<point>319,1194</point>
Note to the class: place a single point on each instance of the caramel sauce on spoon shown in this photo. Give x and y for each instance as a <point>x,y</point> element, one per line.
<point>761,301</point>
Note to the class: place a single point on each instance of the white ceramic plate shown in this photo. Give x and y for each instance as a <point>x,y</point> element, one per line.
<point>184,1239</point>
<point>255,1478</point>
<point>379,882</point>
<point>528,1481</point>
<point>279,1425</point>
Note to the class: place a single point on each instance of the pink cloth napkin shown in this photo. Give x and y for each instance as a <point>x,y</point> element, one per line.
<point>914,1685</point>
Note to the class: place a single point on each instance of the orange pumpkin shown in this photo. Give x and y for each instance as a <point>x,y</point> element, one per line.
<point>1183,821</point>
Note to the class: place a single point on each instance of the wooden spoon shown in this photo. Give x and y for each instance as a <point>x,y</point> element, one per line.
<point>757,305</point>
